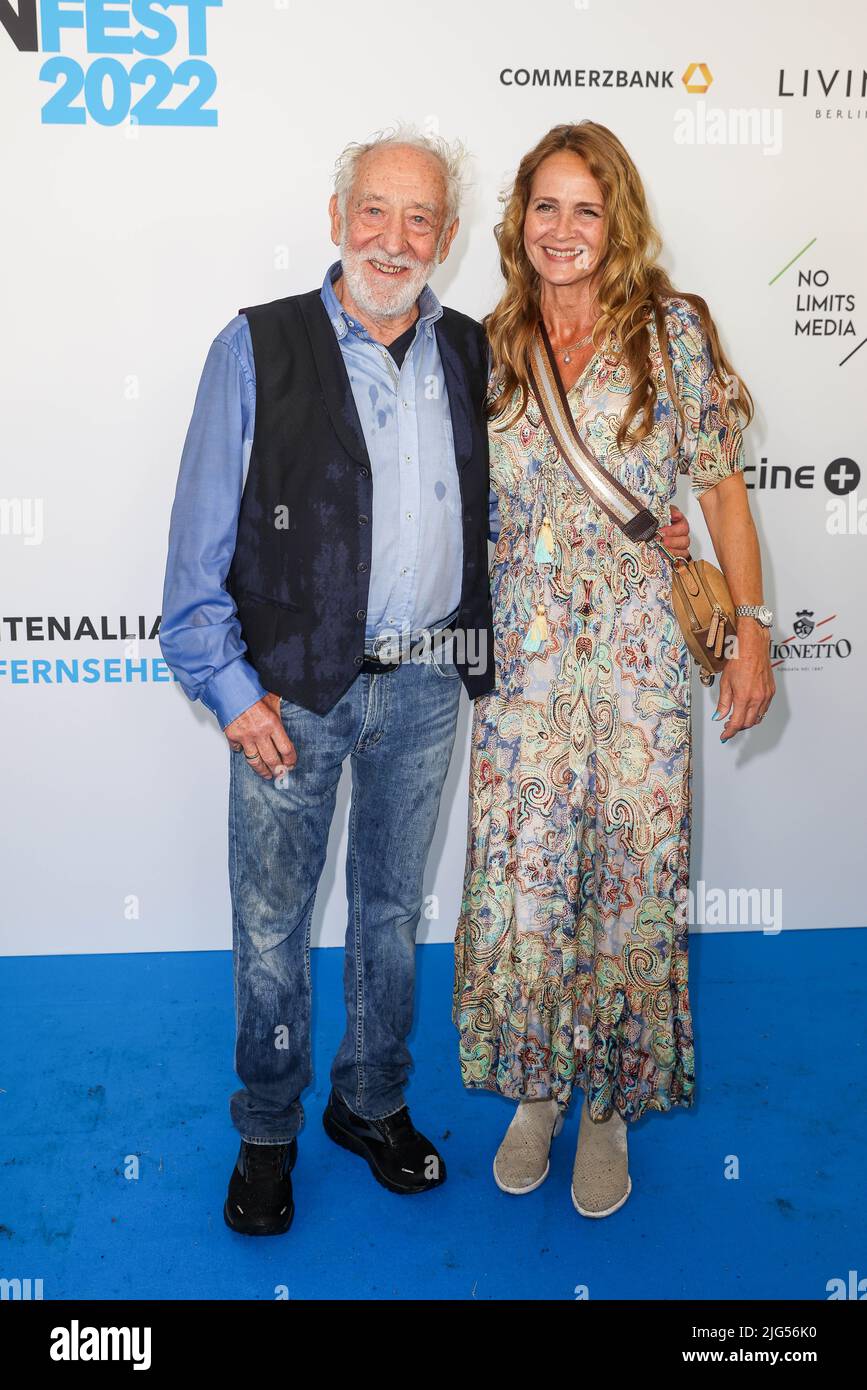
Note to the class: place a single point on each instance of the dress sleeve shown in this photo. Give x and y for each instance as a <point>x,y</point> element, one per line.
<point>712,445</point>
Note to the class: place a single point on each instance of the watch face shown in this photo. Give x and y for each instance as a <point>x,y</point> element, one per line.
<point>765,616</point>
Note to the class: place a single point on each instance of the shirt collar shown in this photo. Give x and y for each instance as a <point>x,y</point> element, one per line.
<point>429,308</point>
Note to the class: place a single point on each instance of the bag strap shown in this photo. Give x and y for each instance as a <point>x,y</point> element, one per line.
<point>636,522</point>
<point>618,503</point>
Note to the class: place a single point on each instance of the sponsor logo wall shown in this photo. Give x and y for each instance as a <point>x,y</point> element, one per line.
<point>165,163</point>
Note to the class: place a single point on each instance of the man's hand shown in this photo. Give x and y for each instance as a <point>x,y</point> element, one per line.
<point>675,536</point>
<point>259,732</point>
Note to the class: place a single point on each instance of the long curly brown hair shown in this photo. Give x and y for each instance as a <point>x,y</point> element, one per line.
<point>631,286</point>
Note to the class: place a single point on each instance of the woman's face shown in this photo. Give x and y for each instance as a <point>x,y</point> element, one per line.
<point>564,222</point>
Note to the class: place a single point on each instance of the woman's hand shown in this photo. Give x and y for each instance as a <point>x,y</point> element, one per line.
<point>675,536</point>
<point>747,683</point>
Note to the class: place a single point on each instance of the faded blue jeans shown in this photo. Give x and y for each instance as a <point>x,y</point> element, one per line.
<point>398,729</point>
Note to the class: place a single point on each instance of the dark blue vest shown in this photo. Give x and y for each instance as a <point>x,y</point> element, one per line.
<point>301,568</point>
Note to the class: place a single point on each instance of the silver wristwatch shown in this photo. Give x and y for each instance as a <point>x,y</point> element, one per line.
<point>759,611</point>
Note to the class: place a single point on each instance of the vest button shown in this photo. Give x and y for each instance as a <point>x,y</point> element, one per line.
<point>359,661</point>
<point>365,472</point>
<point>361,615</point>
<point>363,520</point>
<point>362,567</point>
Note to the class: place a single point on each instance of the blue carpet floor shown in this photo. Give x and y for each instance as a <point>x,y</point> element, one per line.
<point>109,1056</point>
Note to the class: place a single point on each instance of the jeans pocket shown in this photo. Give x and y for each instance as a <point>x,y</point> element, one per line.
<point>444,666</point>
<point>289,709</point>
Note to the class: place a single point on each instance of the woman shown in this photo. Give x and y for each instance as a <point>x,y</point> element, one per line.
<point>571,949</point>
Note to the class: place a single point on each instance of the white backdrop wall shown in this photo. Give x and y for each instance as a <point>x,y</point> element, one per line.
<point>127,247</point>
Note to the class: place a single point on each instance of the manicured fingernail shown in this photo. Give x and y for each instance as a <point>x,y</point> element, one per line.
<point>716,714</point>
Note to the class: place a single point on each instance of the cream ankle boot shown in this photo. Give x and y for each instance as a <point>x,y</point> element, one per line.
<point>521,1164</point>
<point>600,1177</point>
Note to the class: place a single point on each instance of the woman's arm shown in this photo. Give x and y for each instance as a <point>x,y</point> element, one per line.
<point>747,684</point>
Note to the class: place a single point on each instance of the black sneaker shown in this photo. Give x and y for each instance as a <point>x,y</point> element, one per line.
<point>400,1158</point>
<point>260,1189</point>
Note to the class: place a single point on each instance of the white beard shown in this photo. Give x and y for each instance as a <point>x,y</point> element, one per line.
<point>389,302</point>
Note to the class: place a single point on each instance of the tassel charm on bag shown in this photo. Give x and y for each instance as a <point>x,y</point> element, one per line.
<point>537,634</point>
<point>544,553</point>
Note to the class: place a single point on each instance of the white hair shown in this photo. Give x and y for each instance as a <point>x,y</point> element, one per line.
<point>451,157</point>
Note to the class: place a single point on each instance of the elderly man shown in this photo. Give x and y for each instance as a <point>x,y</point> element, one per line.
<point>332,509</point>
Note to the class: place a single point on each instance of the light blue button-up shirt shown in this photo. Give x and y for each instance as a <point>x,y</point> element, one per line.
<point>416,565</point>
<point>417,541</point>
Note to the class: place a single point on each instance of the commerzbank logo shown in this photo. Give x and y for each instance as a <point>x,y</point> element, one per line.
<point>110,62</point>
<point>697,78</point>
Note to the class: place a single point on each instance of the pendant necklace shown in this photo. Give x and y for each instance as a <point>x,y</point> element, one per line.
<point>567,351</point>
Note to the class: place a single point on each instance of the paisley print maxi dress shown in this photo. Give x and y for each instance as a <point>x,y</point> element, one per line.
<point>571,948</point>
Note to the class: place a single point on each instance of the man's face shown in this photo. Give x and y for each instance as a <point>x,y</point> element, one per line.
<point>394,232</point>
